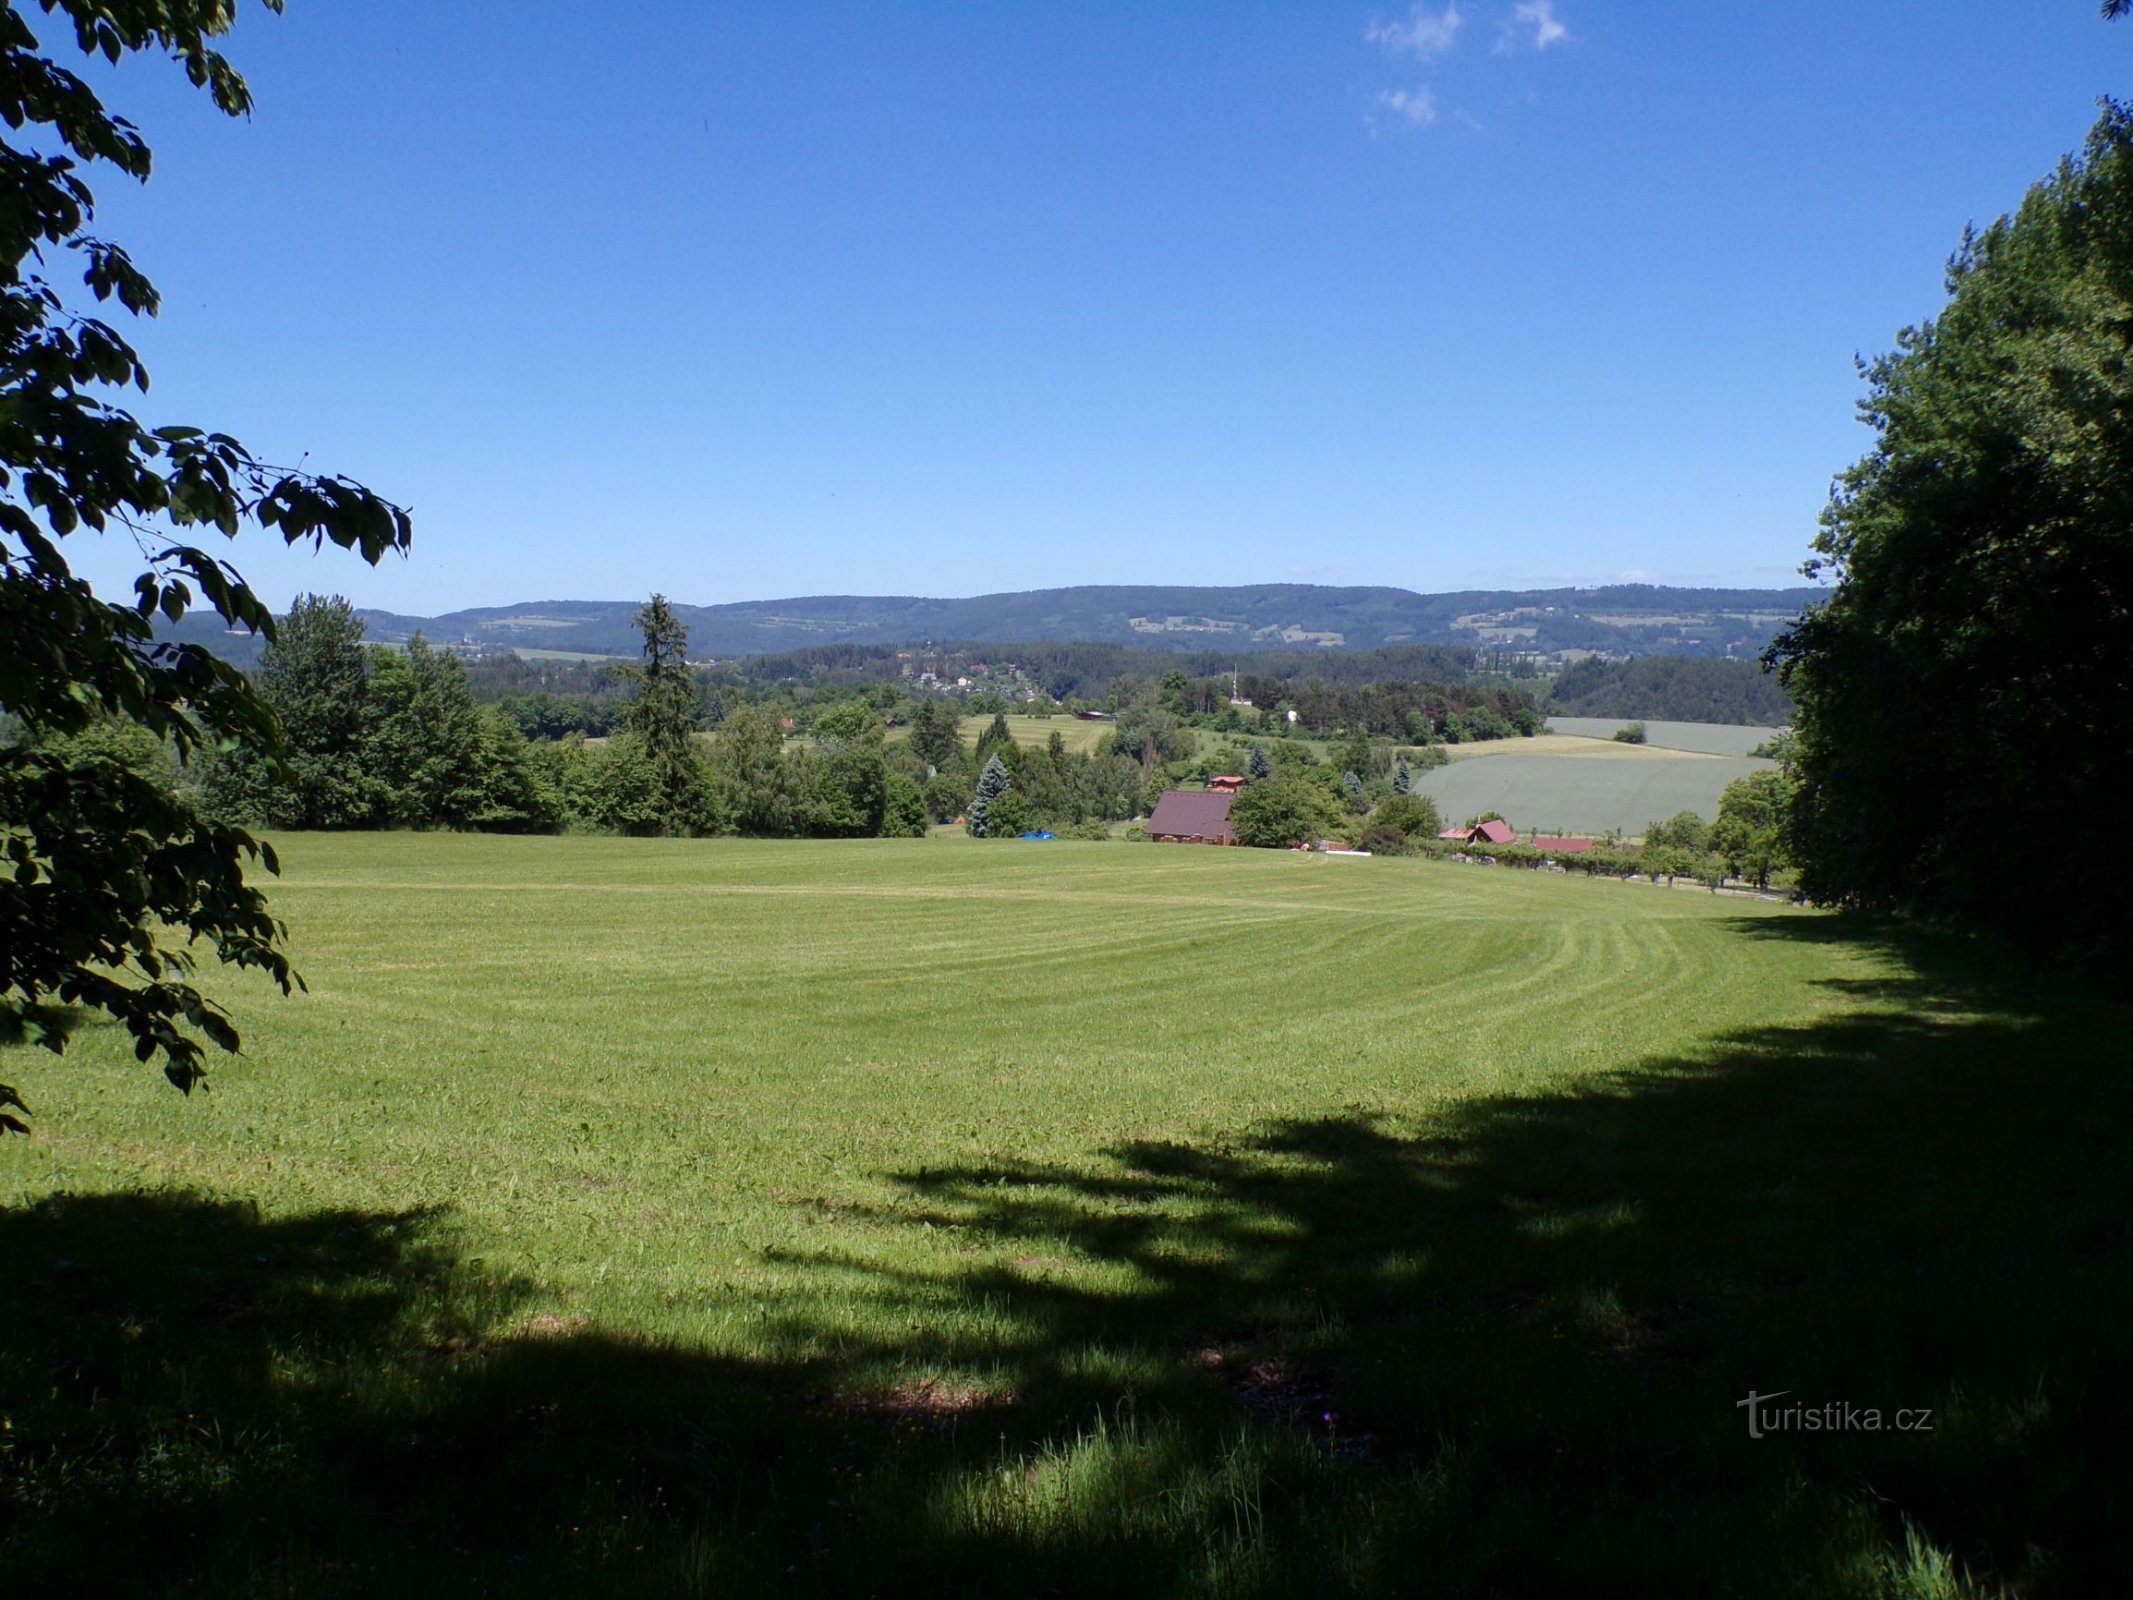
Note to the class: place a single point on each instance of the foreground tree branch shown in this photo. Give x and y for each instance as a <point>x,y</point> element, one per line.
<point>111,885</point>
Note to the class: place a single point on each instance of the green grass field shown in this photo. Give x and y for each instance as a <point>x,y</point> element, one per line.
<point>1703,738</point>
<point>646,1218</point>
<point>1032,733</point>
<point>1582,794</point>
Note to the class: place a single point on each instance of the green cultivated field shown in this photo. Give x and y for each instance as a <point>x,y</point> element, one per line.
<point>1579,793</point>
<point>641,1217</point>
<point>1706,738</point>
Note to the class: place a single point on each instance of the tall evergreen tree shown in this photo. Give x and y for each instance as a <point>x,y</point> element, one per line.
<point>996,737</point>
<point>663,717</point>
<point>1261,766</point>
<point>936,736</point>
<point>1403,779</point>
<point>993,782</point>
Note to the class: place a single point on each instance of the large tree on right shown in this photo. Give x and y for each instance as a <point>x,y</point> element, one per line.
<point>1965,696</point>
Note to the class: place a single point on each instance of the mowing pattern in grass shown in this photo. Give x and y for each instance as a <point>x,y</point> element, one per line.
<point>649,1216</point>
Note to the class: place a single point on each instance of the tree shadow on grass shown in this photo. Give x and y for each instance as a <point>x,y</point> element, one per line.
<point>1500,1351</point>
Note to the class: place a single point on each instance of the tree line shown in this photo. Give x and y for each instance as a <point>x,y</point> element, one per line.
<point>1672,689</point>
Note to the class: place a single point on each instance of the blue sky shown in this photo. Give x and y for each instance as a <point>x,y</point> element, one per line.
<point>738,301</point>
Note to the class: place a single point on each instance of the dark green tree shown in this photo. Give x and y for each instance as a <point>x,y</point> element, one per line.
<point>997,739</point>
<point>1284,811</point>
<point>1750,831</point>
<point>1403,778</point>
<point>992,783</point>
<point>662,717</point>
<point>315,676</point>
<point>849,777</point>
<point>1968,677</point>
<point>1008,817</point>
<point>422,738</point>
<point>754,781</point>
<point>937,736</point>
<point>111,889</point>
<point>1414,815</point>
<point>1261,765</point>
<point>1354,754</point>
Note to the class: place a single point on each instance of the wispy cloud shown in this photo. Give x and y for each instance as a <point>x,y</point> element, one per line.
<point>1417,105</point>
<point>1534,23</point>
<point>1425,34</point>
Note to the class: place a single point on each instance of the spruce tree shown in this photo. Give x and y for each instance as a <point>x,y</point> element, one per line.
<point>663,716</point>
<point>997,736</point>
<point>1262,767</point>
<point>1403,780</point>
<point>992,783</point>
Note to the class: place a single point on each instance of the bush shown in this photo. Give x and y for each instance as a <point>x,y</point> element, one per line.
<point>1633,734</point>
<point>1413,815</point>
<point>1383,839</point>
<point>1008,817</point>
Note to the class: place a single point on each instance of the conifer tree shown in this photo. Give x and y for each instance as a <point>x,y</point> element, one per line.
<point>663,716</point>
<point>1261,767</point>
<point>1403,780</point>
<point>993,782</point>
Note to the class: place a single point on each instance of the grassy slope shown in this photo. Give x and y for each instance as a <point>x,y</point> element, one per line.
<point>1706,738</point>
<point>812,1216</point>
<point>1582,794</point>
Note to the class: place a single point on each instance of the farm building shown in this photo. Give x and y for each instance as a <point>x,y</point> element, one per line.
<point>1226,782</point>
<point>1494,831</point>
<point>1192,816</point>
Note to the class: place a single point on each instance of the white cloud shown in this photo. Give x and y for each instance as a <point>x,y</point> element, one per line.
<point>1417,106</point>
<point>1539,15</point>
<point>1424,34</point>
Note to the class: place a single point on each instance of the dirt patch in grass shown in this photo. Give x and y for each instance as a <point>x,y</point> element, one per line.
<point>923,1400</point>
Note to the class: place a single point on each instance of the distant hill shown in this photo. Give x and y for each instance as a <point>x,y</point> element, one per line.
<point>1621,619</point>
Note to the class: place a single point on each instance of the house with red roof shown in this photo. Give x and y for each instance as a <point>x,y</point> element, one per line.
<point>1493,831</point>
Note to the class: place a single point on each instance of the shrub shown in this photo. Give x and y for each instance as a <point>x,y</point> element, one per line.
<point>1383,839</point>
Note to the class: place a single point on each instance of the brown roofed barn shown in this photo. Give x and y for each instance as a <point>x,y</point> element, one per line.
<point>1192,816</point>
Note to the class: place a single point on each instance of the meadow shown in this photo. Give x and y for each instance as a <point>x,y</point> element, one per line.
<point>1576,792</point>
<point>655,1217</point>
<point>1703,738</point>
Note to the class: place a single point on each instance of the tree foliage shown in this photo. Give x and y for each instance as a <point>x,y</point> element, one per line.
<point>993,782</point>
<point>1966,683</point>
<point>662,718</point>
<point>115,885</point>
<point>1285,810</point>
